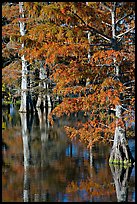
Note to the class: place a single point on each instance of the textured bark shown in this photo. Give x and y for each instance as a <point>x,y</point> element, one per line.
<point>42,97</point>
<point>41,85</point>
<point>23,107</point>
<point>89,55</point>
<point>49,101</point>
<point>121,178</point>
<point>120,153</point>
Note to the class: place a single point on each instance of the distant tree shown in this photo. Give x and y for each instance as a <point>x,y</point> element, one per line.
<point>16,38</point>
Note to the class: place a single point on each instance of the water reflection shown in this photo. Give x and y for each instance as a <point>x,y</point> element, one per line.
<point>43,165</point>
<point>25,139</point>
<point>121,177</point>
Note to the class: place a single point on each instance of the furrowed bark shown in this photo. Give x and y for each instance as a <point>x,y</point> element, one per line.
<point>23,107</point>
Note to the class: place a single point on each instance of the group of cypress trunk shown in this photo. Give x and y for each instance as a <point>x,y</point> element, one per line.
<point>120,153</point>
<point>27,103</point>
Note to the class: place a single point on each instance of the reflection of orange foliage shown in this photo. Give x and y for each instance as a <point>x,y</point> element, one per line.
<point>98,185</point>
<point>65,49</point>
<point>14,143</point>
<point>13,169</point>
<point>12,183</point>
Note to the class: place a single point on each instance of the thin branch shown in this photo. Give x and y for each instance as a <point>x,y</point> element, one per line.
<point>125,32</point>
<point>124,17</point>
<point>93,29</point>
<point>104,65</point>
<point>104,125</point>
<point>7,63</point>
<point>114,6</point>
<point>107,23</point>
<point>129,82</point>
<point>100,44</point>
<point>125,100</point>
<point>105,6</point>
<point>125,109</point>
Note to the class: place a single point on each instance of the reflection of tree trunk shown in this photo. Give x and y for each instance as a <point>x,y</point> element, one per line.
<point>44,125</point>
<point>26,148</point>
<point>29,121</point>
<point>26,191</point>
<point>26,153</point>
<point>91,169</point>
<point>121,177</point>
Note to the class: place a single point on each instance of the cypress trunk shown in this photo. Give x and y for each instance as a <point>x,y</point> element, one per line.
<point>120,153</point>
<point>23,107</point>
<point>41,77</point>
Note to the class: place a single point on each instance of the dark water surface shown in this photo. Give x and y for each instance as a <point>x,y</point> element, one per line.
<point>40,164</point>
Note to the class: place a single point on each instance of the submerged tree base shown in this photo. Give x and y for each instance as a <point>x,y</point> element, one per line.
<point>121,153</point>
<point>122,163</point>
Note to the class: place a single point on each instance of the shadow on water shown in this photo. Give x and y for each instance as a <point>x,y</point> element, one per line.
<point>42,165</point>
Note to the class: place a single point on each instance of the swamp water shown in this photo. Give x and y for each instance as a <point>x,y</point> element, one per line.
<point>41,164</point>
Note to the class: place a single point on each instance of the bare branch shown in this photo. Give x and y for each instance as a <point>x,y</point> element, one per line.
<point>100,44</point>
<point>114,6</point>
<point>118,36</point>
<point>105,6</point>
<point>125,109</point>
<point>104,125</point>
<point>107,23</point>
<point>93,29</point>
<point>125,100</point>
<point>103,65</point>
<point>124,17</point>
<point>129,82</point>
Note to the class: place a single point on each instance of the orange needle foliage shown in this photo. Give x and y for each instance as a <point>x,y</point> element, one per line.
<point>58,33</point>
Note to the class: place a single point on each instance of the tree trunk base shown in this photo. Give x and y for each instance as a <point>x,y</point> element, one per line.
<point>22,110</point>
<point>121,153</point>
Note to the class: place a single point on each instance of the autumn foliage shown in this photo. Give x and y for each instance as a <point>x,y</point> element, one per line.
<point>58,33</point>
